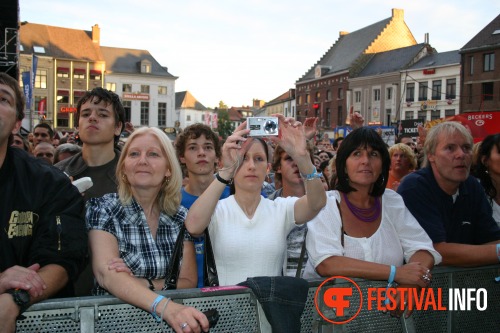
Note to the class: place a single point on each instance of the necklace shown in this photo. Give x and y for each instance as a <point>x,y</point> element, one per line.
<point>364,214</point>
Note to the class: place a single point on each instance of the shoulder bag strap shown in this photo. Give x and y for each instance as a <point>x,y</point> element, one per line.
<point>175,260</point>
<point>301,258</point>
<point>341,225</point>
<point>211,278</point>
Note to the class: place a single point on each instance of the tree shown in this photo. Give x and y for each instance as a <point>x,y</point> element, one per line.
<point>224,126</point>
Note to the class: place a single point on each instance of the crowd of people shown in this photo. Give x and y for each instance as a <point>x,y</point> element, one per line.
<point>282,205</point>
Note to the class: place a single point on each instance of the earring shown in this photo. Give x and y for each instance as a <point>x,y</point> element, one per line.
<point>124,178</point>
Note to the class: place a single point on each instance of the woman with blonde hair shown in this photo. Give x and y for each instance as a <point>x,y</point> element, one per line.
<point>132,233</point>
<point>403,161</point>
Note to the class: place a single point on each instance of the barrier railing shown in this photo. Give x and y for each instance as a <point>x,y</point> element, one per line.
<point>239,310</point>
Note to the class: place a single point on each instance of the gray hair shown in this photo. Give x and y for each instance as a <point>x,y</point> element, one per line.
<point>447,128</point>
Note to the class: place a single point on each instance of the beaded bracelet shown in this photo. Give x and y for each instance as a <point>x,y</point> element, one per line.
<point>313,175</point>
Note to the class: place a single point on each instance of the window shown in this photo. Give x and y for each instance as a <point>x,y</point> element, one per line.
<point>357,96</point>
<point>388,94</point>
<point>62,96</point>
<point>144,89</point>
<point>77,95</point>
<point>449,113</point>
<point>162,90</point>
<point>422,115</point>
<point>38,49</point>
<point>469,94</point>
<point>340,115</point>
<point>162,114</point>
<point>127,106</point>
<point>307,99</point>
<point>328,118</point>
<point>300,100</point>
<point>318,96</point>
<point>410,92</point>
<point>376,94</point>
<point>489,62</point>
<point>95,74</point>
<point>422,91</point>
<point>328,95</point>
<point>487,91</point>
<point>127,87</point>
<point>79,73</point>
<point>408,114</point>
<point>436,90</point>
<point>188,117</point>
<point>436,114</point>
<point>111,86</point>
<point>145,113</point>
<point>471,65</point>
<point>62,122</point>
<point>62,72</point>
<point>41,79</point>
<point>451,87</point>
<point>341,93</point>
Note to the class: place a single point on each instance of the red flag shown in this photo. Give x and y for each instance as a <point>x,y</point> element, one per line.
<point>41,106</point>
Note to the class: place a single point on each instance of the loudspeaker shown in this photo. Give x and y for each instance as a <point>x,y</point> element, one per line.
<point>9,27</point>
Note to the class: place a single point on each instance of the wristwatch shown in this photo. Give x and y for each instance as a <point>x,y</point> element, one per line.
<point>21,298</point>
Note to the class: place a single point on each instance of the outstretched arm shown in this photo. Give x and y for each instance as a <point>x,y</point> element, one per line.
<point>292,140</point>
<point>200,213</point>
<point>467,255</point>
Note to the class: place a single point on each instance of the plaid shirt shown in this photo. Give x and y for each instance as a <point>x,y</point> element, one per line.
<point>145,256</point>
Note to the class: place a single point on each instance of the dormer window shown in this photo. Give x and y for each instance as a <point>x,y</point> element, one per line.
<point>145,66</point>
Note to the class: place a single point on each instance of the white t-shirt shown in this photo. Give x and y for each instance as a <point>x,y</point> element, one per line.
<point>246,247</point>
<point>398,237</point>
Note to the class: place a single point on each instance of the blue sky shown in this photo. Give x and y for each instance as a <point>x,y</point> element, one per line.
<point>236,51</point>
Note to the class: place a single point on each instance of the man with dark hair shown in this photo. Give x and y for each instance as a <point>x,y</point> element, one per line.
<point>198,150</point>
<point>42,133</point>
<point>101,119</point>
<point>44,239</point>
<point>287,172</point>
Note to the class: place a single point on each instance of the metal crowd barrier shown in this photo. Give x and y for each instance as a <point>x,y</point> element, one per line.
<point>239,310</point>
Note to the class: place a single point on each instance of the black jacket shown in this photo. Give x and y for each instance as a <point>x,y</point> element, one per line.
<point>41,215</point>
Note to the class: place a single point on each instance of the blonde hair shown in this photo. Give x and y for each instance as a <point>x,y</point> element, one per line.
<point>407,151</point>
<point>169,196</point>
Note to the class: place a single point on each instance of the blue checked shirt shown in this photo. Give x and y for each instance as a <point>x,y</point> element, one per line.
<point>146,257</point>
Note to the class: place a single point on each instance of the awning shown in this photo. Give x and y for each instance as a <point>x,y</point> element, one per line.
<point>78,93</point>
<point>95,72</point>
<point>63,93</point>
<point>62,69</point>
<point>79,70</point>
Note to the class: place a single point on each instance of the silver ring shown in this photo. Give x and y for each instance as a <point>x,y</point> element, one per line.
<point>183,326</point>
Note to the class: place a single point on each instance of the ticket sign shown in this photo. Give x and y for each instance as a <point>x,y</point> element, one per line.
<point>67,109</point>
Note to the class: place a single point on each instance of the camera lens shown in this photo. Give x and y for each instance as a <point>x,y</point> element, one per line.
<point>270,127</point>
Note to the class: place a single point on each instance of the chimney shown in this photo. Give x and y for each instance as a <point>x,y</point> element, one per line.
<point>426,38</point>
<point>398,13</point>
<point>96,34</point>
<point>343,33</point>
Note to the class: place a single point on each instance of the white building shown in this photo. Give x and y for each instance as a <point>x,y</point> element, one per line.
<point>147,89</point>
<point>432,87</point>
<point>189,111</point>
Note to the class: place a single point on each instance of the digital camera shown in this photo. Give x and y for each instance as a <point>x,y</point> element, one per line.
<point>262,126</point>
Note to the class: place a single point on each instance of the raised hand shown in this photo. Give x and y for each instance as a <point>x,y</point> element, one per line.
<point>232,151</point>
<point>310,127</point>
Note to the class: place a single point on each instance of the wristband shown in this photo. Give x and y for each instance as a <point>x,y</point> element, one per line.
<point>390,281</point>
<point>313,175</point>
<point>153,308</point>
<point>498,251</point>
<point>222,180</point>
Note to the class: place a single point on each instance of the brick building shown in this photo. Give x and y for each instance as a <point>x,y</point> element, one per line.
<point>323,91</point>
<point>480,76</point>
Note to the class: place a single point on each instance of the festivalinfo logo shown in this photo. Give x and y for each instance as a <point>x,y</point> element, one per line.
<point>348,296</point>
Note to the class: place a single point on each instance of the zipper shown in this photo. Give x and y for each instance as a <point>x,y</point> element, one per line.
<point>59,230</point>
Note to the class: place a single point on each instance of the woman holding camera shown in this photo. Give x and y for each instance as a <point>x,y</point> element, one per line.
<point>249,232</point>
